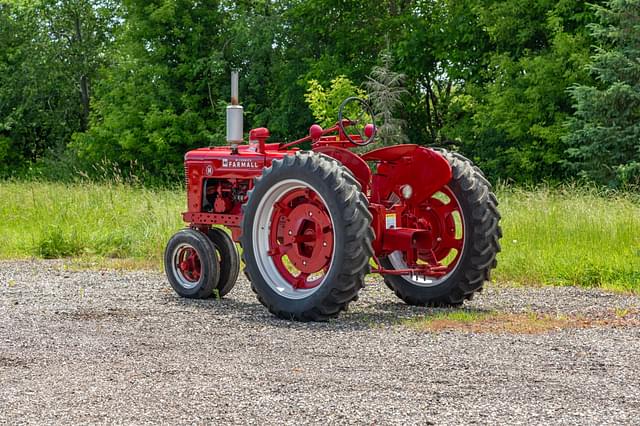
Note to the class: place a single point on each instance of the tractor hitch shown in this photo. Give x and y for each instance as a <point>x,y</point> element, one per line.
<point>422,270</point>
<point>401,238</point>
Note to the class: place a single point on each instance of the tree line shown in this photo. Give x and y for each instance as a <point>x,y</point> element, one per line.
<point>531,90</point>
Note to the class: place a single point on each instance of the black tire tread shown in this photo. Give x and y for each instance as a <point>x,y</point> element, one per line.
<point>208,258</point>
<point>358,235</point>
<point>485,244</point>
<point>229,261</point>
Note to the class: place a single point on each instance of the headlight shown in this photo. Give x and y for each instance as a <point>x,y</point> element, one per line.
<point>407,191</point>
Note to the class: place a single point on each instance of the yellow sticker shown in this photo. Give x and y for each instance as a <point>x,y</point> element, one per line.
<point>390,220</point>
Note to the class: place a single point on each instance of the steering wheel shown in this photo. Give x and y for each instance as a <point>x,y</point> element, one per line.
<point>361,109</point>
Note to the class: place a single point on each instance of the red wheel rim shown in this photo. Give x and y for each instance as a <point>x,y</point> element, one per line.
<point>301,238</point>
<point>442,216</point>
<point>188,264</point>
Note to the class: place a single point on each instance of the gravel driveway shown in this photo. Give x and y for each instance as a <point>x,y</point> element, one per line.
<point>120,347</point>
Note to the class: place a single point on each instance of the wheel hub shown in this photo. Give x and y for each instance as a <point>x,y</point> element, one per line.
<point>442,216</point>
<point>308,238</point>
<point>439,215</point>
<point>188,263</point>
<point>301,238</point>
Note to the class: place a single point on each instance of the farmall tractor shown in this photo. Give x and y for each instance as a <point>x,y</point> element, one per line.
<point>312,223</point>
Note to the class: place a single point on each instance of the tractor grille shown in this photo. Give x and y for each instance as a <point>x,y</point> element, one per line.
<point>186,176</point>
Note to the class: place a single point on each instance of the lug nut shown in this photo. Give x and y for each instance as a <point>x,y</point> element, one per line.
<point>290,232</point>
<point>438,239</point>
<point>324,244</point>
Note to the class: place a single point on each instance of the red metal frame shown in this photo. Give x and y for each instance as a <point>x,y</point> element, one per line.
<point>219,178</point>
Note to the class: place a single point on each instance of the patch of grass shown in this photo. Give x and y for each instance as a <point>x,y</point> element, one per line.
<point>570,236</point>
<point>447,320</point>
<point>489,322</point>
<point>567,236</point>
<point>473,321</point>
<point>54,243</point>
<point>95,222</point>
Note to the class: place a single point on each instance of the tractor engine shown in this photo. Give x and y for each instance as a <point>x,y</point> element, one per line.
<point>224,196</point>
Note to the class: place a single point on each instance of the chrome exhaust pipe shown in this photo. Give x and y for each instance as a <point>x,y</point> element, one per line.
<point>235,125</point>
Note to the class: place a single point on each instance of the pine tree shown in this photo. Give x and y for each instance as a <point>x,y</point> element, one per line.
<point>605,129</point>
<point>385,88</point>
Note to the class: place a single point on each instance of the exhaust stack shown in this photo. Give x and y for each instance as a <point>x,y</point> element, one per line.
<point>234,87</point>
<point>235,134</point>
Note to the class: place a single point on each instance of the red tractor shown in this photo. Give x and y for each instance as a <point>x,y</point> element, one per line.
<point>310,223</point>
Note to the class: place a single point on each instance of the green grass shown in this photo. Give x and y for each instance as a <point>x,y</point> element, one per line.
<point>89,221</point>
<point>458,316</point>
<point>495,322</point>
<point>568,236</point>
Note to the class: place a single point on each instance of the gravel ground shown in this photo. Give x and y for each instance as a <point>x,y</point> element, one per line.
<point>120,347</point>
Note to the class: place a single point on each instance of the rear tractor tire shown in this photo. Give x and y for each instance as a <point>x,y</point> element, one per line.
<point>464,219</point>
<point>306,237</point>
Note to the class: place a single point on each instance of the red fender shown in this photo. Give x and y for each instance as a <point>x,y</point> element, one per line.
<point>351,161</point>
<point>423,168</point>
<point>390,153</point>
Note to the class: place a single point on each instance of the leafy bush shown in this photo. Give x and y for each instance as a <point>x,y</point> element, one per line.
<point>56,243</point>
<point>325,102</point>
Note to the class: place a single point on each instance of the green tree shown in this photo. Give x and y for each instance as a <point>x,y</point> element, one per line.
<point>50,52</point>
<point>28,112</point>
<point>443,49</point>
<point>513,123</point>
<point>385,89</point>
<point>80,33</point>
<point>163,93</point>
<point>605,129</point>
<point>325,102</point>
<point>320,40</point>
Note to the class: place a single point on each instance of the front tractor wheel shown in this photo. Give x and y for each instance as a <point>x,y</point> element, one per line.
<point>464,221</point>
<point>191,264</point>
<point>306,238</point>
<point>229,261</point>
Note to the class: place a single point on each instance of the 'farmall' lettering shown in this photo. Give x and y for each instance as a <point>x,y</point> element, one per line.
<point>239,164</point>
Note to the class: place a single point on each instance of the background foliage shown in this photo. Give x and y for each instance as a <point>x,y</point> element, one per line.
<point>532,90</point>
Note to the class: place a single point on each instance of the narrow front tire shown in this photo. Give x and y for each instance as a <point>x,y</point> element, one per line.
<point>191,264</point>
